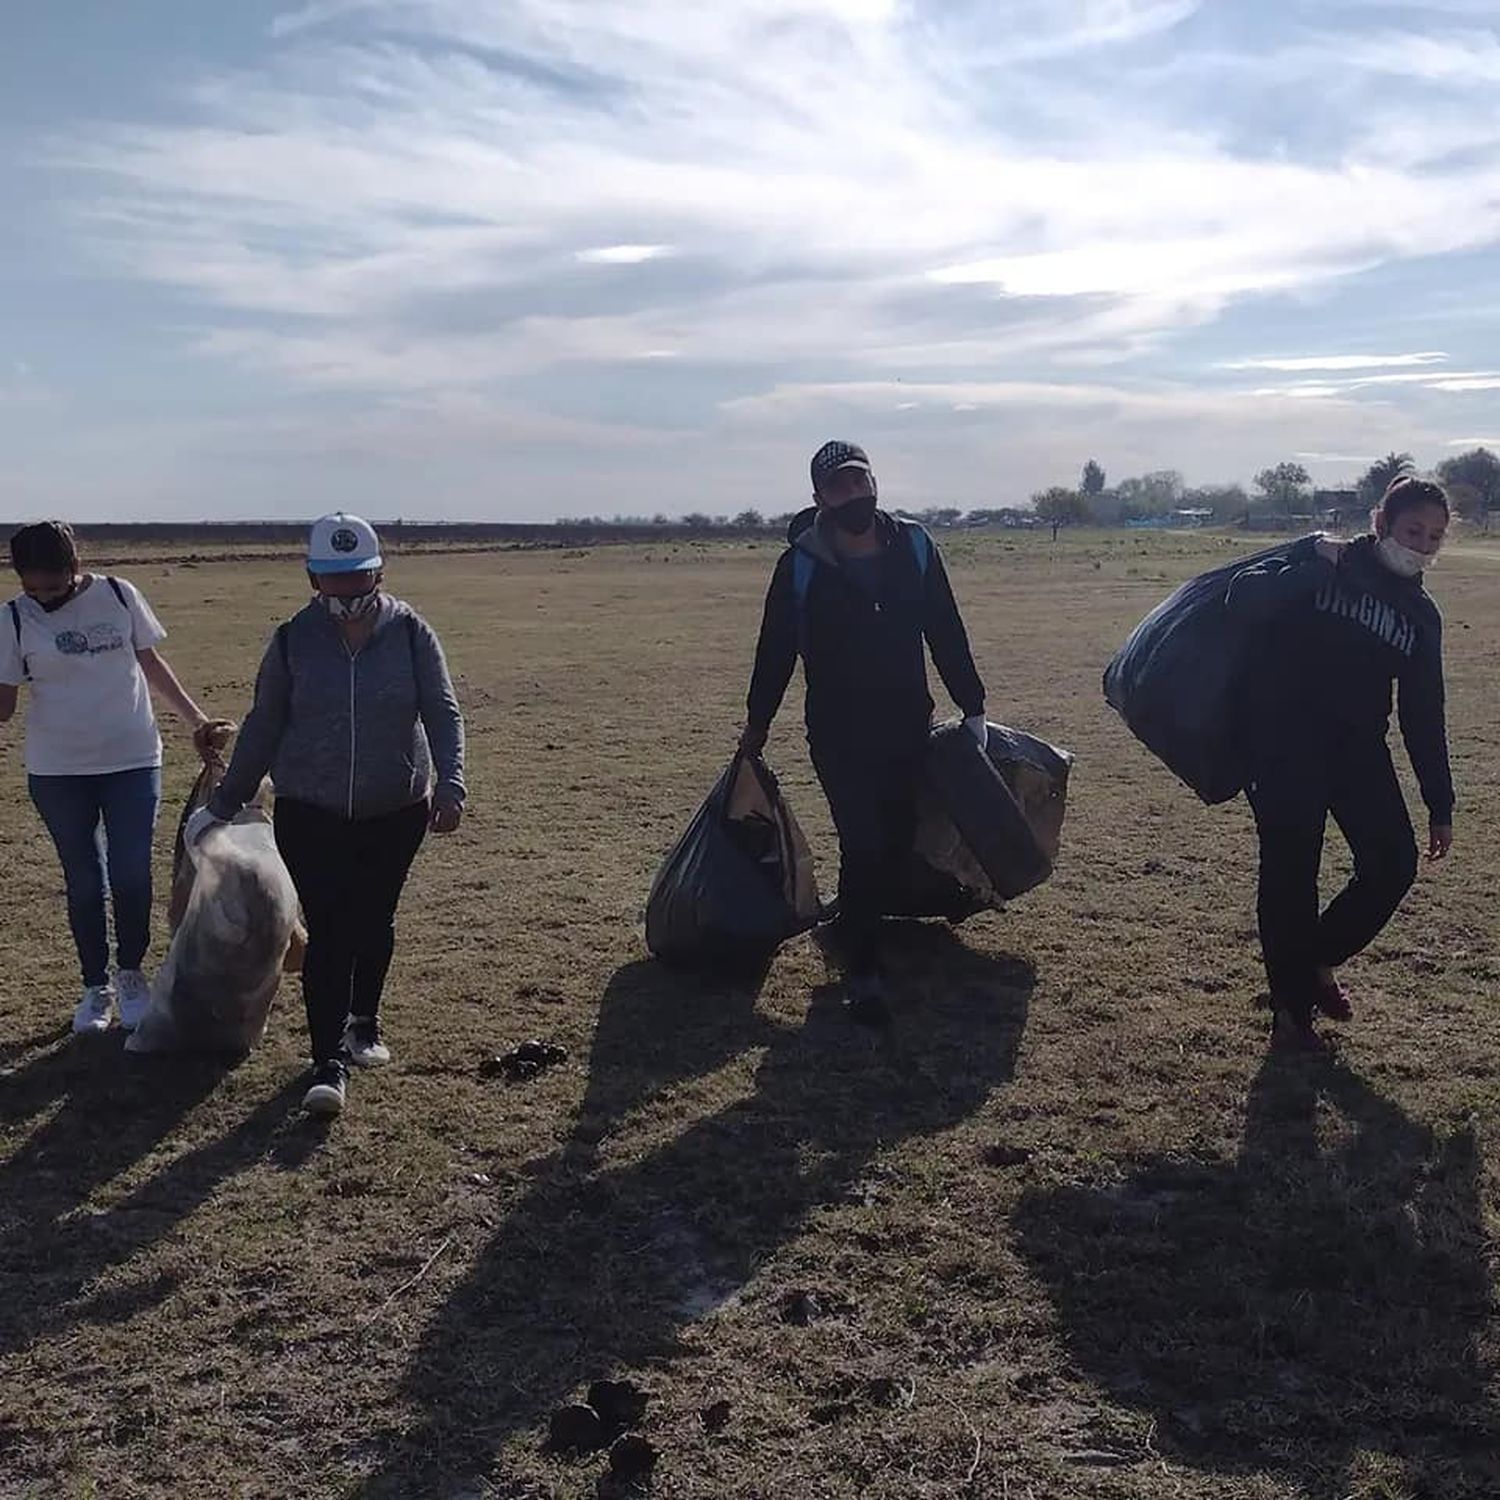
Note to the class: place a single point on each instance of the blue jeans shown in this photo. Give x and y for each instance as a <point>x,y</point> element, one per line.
<point>72,807</point>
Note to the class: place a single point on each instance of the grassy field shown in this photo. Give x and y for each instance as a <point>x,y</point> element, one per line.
<point>1062,1231</point>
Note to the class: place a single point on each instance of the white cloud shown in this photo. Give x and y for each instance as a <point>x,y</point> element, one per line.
<point>1335,362</point>
<point>622,255</point>
<point>505,200</point>
<point>1463,57</point>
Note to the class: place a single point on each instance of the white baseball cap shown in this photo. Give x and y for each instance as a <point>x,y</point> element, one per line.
<point>342,543</point>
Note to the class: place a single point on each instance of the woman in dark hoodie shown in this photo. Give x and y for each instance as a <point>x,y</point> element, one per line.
<point>1337,623</point>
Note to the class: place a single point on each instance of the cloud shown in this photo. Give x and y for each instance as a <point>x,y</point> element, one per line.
<point>656,217</point>
<point>1470,57</point>
<point>621,255</point>
<point>1335,362</point>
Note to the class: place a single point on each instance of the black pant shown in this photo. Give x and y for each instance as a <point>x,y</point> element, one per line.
<point>349,876</point>
<point>873,798</point>
<point>1292,792</point>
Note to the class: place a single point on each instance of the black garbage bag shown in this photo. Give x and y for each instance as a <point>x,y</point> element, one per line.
<point>992,820</point>
<point>740,879</point>
<point>1175,682</point>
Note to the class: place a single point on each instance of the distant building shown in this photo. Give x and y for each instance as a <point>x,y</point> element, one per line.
<point>1335,508</point>
<point>1183,516</point>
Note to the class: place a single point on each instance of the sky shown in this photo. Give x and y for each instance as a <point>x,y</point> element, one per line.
<point>520,259</point>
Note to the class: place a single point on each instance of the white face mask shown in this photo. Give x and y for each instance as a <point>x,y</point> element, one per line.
<point>357,608</point>
<point>1402,561</point>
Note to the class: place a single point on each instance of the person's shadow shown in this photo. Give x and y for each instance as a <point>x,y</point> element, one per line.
<point>1310,1310</point>
<point>599,1266</point>
<point>100,1113</point>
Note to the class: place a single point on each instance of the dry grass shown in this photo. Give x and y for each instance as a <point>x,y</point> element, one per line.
<point>1062,1232</point>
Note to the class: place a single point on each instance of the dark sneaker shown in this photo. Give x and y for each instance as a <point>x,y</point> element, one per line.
<point>865,1000</point>
<point>325,1095</point>
<point>1331,998</point>
<point>1292,1033</point>
<point>362,1042</point>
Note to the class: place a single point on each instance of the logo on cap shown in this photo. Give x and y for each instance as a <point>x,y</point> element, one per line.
<point>343,540</point>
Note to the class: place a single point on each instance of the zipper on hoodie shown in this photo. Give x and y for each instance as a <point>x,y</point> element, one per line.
<point>353,733</point>
<point>353,741</point>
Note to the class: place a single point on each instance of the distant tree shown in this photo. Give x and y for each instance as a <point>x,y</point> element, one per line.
<point>661,519</point>
<point>749,520</point>
<point>782,521</point>
<point>1003,515</point>
<point>1283,488</point>
<point>697,520</point>
<point>940,515</point>
<point>1063,507</point>
<point>1154,494</point>
<point>1473,481</point>
<point>1092,483</point>
<point>1376,480</point>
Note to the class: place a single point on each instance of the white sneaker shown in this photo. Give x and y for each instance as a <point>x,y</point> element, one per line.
<point>325,1096</point>
<point>362,1042</point>
<point>132,996</point>
<point>94,1009</point>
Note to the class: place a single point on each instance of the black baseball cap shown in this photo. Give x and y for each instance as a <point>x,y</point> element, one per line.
<point>832,457</point>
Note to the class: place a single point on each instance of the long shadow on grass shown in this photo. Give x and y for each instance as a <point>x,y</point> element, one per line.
<point>659,1028</point>
<point>101,1113</point>
<point>1311,1310</point>
<point>597,1270</point>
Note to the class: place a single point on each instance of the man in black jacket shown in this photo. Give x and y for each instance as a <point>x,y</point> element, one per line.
<point>855,594</point>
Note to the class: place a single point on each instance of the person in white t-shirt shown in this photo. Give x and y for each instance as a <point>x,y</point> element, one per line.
<point>85,646</point>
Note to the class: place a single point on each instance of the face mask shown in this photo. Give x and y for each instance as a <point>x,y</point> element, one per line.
<point>855,516</point>
<point>360,607</point>
<point>1402,561</point>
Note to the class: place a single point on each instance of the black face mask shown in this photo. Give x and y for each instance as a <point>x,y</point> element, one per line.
<point>854,516</point>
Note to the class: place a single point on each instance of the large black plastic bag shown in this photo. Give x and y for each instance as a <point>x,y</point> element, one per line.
<point>992,820</point>
<point>740,879</point>
<point>1176,680</point>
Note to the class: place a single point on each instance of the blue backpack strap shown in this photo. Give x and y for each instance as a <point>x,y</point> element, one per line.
<point>803,564</point>
<point>921,546</point>
<point>15,620</point>
<point>119,593</point>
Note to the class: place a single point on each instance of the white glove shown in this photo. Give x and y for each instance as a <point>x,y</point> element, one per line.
<point>197,825</point>
<point>976,726</point>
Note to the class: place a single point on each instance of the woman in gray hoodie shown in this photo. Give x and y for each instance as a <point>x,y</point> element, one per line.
<point>354,709</point>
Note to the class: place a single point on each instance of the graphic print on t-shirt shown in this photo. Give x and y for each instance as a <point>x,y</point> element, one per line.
<point>90,643</point>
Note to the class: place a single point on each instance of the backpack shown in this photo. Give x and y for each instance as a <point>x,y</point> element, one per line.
<point>804,562</point>
<point>15,618</point>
